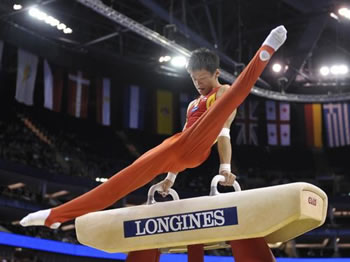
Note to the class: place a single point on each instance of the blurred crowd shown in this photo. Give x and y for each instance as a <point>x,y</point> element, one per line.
<point>66,155</point>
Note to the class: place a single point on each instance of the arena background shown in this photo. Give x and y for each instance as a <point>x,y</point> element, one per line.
<point>51,151</point>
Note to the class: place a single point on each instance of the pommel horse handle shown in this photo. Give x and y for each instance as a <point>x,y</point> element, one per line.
<point>152,191</point>
<point>214,183</point>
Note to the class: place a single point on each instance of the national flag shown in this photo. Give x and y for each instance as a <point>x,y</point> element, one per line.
<point>53,86</point>
<point>134,107</point>
<point>246,122</point>
<point>313,125</point>
<point>185,99</point>
<point>103,101</point>
<point>26,75</point>
<point>336,118</point>
<point>278,123</point>
<point>78,90</point>
<point>164,112</point>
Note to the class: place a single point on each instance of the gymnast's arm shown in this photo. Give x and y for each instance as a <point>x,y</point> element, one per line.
<point>224,145</point>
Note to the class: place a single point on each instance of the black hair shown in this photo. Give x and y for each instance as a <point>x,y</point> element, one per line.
<point>203,58</point>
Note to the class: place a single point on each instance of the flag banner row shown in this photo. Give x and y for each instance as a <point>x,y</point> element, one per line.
<point>78,85</point>
<point>315,126</point>
<point>258,122</point>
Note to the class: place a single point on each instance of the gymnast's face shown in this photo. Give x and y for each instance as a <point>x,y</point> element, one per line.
<point>204,81</point>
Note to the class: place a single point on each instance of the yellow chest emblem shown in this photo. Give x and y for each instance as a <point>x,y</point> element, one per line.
<point>211,99</point>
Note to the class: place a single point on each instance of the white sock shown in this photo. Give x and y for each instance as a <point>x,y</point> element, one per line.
<point>38,219</point>
<point>276,38</point>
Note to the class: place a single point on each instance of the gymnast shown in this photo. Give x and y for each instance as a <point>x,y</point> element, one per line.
<point>186,149</point>
<point>203,67</point>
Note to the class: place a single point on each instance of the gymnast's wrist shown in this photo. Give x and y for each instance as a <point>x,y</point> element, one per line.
<point>171,176</point>
<point>225,167</point>
<point>225,132</point>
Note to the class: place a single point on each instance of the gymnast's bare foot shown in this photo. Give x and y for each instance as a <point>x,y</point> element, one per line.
<point>276,38</point>
<point>38,219</point>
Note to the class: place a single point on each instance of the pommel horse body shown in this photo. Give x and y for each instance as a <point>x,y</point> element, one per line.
<point>277,213</point>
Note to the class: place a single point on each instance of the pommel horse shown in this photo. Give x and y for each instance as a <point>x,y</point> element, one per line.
<point>277,213</point>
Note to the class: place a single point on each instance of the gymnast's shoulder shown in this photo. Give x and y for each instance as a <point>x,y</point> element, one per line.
<point>222,89</point>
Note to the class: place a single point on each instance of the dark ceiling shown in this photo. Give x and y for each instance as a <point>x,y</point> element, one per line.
<point>235,28</point>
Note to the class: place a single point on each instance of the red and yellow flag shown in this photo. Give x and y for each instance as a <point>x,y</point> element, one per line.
<point>313,125</point>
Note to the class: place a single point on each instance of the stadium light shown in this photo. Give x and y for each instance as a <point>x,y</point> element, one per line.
<point>178,61</point>
<point>343,69</point>
<point>344,11</point>
<point>61,26</point>
<point>51,21</point>
<point>324,70</point>
<point>48,19</point>
<point>333,15</point>
<point>101,179</point>
<point>339,69</point>
<point>167,58</point>
<point>17,7</point>
<point>277,68</point>
<point>34,12</point>
<point>336,70</point>
<point>67,30</point>
<point>164,59</point>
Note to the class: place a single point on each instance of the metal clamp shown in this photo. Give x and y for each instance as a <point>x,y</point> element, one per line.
<point>214,183</point>
<point>154,188</point>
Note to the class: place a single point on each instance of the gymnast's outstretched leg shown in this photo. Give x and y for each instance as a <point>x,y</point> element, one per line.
<point>183,150</point>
